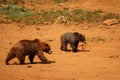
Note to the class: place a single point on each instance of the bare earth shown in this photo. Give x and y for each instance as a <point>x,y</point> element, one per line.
<point>99,61</point>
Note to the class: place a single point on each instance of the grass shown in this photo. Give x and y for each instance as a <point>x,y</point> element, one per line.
<point>110,16</point>
<point>79,15</point>
<point>20,14</point>
<point>15,13</point>
<point>59,1</point>
<point>49,16</point>
<point>12,1</point>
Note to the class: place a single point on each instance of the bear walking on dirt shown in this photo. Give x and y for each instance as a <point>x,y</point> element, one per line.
<point>72,38</point>
<point>31,48</point>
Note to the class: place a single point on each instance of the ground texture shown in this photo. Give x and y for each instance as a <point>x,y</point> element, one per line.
<point>99,61</point>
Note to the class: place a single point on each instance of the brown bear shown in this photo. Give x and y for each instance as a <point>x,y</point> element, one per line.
<point>72,38</point>
<point>30,48</point>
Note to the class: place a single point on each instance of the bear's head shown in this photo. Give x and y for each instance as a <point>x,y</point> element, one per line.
<point>82,38</point>
<point>44,46</point>
<point>47,48</point>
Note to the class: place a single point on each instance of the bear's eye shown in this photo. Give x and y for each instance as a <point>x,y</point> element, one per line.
<point>48,49</point>
<point>46,44</point>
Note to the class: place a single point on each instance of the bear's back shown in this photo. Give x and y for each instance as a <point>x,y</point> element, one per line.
<point>28,45</point>
<point>67,36</point>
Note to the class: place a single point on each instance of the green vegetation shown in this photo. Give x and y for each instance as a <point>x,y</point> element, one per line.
<point>15,13</point>
<point>12,1</point>
<point>79,15</point>
<point>59,1</point>
<point>20,14</point>
<point>42,16</point>
<point>110,16</point>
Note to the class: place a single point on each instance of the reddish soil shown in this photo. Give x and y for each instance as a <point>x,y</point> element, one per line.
<point>99,61</point>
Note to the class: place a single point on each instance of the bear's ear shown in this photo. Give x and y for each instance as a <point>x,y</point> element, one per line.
<point>36,40</point>
<point>46,44</point>
<point>82,35</point>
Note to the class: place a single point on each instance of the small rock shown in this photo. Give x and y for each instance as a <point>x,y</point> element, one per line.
<point>10,42</point>
<point>37,28</point>
<point>115,56</point>
<point>61,4</point>
<point>61,19</point>
<point>110,22</point>
<point>73,79</point>
<point>46,23</point>
<point>29,66</point>
<point>86,28</point>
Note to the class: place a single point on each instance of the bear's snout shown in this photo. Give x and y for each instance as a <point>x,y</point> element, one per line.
<point>50,52</point>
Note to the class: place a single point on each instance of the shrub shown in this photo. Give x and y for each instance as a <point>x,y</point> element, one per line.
<point>14,12</point>
<point>59,1</point>
<point>110,16</point>
<point>18,13</point>
<point>78,15</point>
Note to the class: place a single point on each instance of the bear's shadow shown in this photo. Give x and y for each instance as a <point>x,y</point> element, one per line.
<point>77,51</point>
<point>15,63</point>
<point>83,51</point>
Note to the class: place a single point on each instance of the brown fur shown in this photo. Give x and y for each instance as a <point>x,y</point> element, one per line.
<point>30,48</point>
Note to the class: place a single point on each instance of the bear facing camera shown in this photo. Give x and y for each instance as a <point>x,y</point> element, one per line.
<point>73,39</point>
<point>31,48</point>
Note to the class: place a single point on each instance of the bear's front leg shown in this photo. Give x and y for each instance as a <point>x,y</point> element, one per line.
<point>73,46</point>
<point>42,57</point>
<point>21,59</point>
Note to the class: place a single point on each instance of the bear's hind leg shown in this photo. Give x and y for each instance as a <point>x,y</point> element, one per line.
<point>74,46</point>
<point>42,57</point>
<point>10,56</point>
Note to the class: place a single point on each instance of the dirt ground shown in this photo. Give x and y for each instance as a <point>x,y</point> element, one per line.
<point>99,61</point>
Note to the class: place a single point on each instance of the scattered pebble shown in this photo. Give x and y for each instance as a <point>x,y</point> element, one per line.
<point>29,66</point>
<point>37,28</point>
<point>10,42</point>
<point>115,56</point>
<point>86,28</point>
